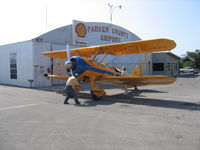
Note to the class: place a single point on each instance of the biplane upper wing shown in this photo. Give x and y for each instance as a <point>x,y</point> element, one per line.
<point>137,80</point>
<point>133,47</point>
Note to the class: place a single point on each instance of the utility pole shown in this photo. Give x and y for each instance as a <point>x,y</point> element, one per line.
<point>112,8</point>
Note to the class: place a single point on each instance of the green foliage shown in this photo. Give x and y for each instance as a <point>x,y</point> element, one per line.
<point>184,64</point>
<point>196,56</point>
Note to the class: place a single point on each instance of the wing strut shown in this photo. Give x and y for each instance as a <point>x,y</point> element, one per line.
<point>95,55</point>
<point>103,58</point>
<point>149,64</point>
<point>140,60</point>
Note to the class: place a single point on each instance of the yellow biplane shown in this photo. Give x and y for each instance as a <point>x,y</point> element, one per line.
<point>83,63</point>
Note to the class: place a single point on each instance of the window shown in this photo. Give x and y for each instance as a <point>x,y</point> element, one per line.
<point>13,66</point>
<point>168,67</point>
<point>171,66</point>
<point>158,67</point>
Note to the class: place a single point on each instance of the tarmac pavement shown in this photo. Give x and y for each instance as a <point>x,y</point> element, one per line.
<point>154,117</point>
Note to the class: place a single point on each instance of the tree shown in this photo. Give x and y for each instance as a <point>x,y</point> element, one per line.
<point>184,64</point>
<point>196,56</point>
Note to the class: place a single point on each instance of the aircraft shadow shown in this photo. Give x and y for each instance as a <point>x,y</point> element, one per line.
<point>120,98</point>
<point>138,92</point>
<point>182,75</point>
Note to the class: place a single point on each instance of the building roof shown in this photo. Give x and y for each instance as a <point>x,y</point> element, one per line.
<point>168,53</point>
<point>188,58</point>
<point>172,54</point>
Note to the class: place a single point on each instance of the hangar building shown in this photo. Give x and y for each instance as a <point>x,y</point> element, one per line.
<point>22,64</point>
<point>165,63</point>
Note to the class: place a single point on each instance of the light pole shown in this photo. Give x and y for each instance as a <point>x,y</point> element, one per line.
<point>112,8</point>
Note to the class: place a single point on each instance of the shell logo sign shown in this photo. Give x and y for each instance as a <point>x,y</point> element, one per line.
<point>79,33</point>
<point>81,30</point>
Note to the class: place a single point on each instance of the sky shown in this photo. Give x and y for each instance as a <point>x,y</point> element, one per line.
<point>178,20</point>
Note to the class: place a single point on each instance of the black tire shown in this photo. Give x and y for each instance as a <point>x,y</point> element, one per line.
<point>94,97</point>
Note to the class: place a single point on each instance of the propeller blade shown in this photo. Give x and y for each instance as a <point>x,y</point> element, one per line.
<point>69,63</point>
<point>68,52</point>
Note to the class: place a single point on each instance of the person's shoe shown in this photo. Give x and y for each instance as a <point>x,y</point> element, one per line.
<point>78,103</point>
<point>66,103</point>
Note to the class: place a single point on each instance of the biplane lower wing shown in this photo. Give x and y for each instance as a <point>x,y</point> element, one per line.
<point>137,80</point>
<point>59,76</point>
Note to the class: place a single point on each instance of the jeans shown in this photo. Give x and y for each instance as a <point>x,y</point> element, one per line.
<point>70,94</point>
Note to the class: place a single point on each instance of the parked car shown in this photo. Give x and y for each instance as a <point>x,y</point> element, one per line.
<point>189,70</point>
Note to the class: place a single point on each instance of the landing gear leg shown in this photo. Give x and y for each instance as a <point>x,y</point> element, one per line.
<point>96,92</point>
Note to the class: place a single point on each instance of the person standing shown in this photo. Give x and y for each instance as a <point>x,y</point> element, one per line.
<point>124,73</point>
<point>71,88</point>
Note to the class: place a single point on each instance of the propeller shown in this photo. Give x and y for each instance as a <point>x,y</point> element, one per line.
<point>68,63</point>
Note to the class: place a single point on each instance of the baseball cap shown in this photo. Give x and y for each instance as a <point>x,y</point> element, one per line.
<point>76,74</point>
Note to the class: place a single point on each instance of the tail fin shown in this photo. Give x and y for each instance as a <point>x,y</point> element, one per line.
<point>138,70</point>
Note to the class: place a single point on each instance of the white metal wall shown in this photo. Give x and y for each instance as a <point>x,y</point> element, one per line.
<point>42,63</point>
<point>24,54</point>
